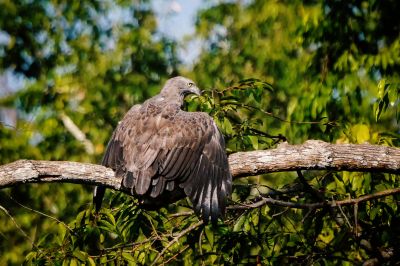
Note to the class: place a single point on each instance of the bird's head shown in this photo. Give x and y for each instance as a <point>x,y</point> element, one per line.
<point>180,86</point>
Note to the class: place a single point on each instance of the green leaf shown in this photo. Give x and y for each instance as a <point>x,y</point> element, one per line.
<point>65,262</point>
<point>239,224</point>
<point>382,87</point>
<point>62,230</point>
<point>254,141</point>
<point>381,106</point>
<point>247,226</point>
<point>82,256</point>
<point>142,257</point>
<point>228,126</point>
<point>30,256</point>
<point>361,133</point>
<point>127,256</point>
<point>393,95</point>
<point>74,262</point>
<point>91,261</point>
<point>340,187</point>
<point>374,212</point>
<point>210,235</point>
<point>106,225</point>
<point>79,220</point>
<point>356,182</point>
<point>255,218</point>
<point>110,217</point>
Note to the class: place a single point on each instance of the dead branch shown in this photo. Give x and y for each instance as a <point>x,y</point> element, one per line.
<point>77,133</point>
<point>312,155</point>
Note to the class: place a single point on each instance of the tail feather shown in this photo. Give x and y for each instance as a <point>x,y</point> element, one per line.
<point>98,195</point>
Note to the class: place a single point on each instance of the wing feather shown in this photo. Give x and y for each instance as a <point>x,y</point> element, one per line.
<point>156,155</point>
<point>169,161</point>
<point>218,175</point>
<point>143,181</point>
<point>170,185</point>
<point>178,162</point>
<point>158,188</point>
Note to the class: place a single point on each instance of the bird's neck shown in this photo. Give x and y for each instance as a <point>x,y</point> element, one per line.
<point>164,104</point>
<point>172,99</point>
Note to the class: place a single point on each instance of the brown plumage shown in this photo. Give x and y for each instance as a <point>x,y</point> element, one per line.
<point>164,153</point>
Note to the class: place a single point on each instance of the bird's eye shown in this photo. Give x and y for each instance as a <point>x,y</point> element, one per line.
<point>190,84</point>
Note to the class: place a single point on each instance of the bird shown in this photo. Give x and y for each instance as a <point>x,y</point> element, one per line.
<point>163,153</point>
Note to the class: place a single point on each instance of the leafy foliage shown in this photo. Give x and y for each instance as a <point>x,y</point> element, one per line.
<point>93,67</point>
<point>275,71</point>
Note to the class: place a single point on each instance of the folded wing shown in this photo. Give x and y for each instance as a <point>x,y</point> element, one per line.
<point>160,155</point>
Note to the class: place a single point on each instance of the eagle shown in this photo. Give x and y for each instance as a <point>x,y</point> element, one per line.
<point>163,153</point>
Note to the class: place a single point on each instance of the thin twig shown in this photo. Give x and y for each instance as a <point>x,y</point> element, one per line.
<point>344,215</point>
<point>249,107</point>
<point>356,219</point>
<point>306,215</point>
<point>279,137</point>
<point>129,244</point>
<point>153,228</point>
<point>279,213</point>
<point>200,244</point>
<point>23,232</point>
<point>176,255</point>
<point>317,205</point>
<point>41,213</point>
<point>316,194</point>
<point>17,225</point>
<point>176,238</point>
<point>178,214</point>
<point>380,194</point>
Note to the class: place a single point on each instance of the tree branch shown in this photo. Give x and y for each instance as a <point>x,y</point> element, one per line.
<point>30,171</point>
<point>77,133</point>
<point>264,201</point>
<point>317,155</point>
<point>312,155</point>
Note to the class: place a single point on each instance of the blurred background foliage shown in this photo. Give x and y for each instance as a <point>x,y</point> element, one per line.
<point>272,70</point>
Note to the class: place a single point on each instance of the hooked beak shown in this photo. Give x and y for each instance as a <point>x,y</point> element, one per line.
<point>192,90</point>
<point>196,90</point>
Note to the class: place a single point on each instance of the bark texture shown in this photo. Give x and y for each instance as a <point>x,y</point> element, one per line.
<point>312,155</point>
<point>317,155</point>
<point>30,171</point>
